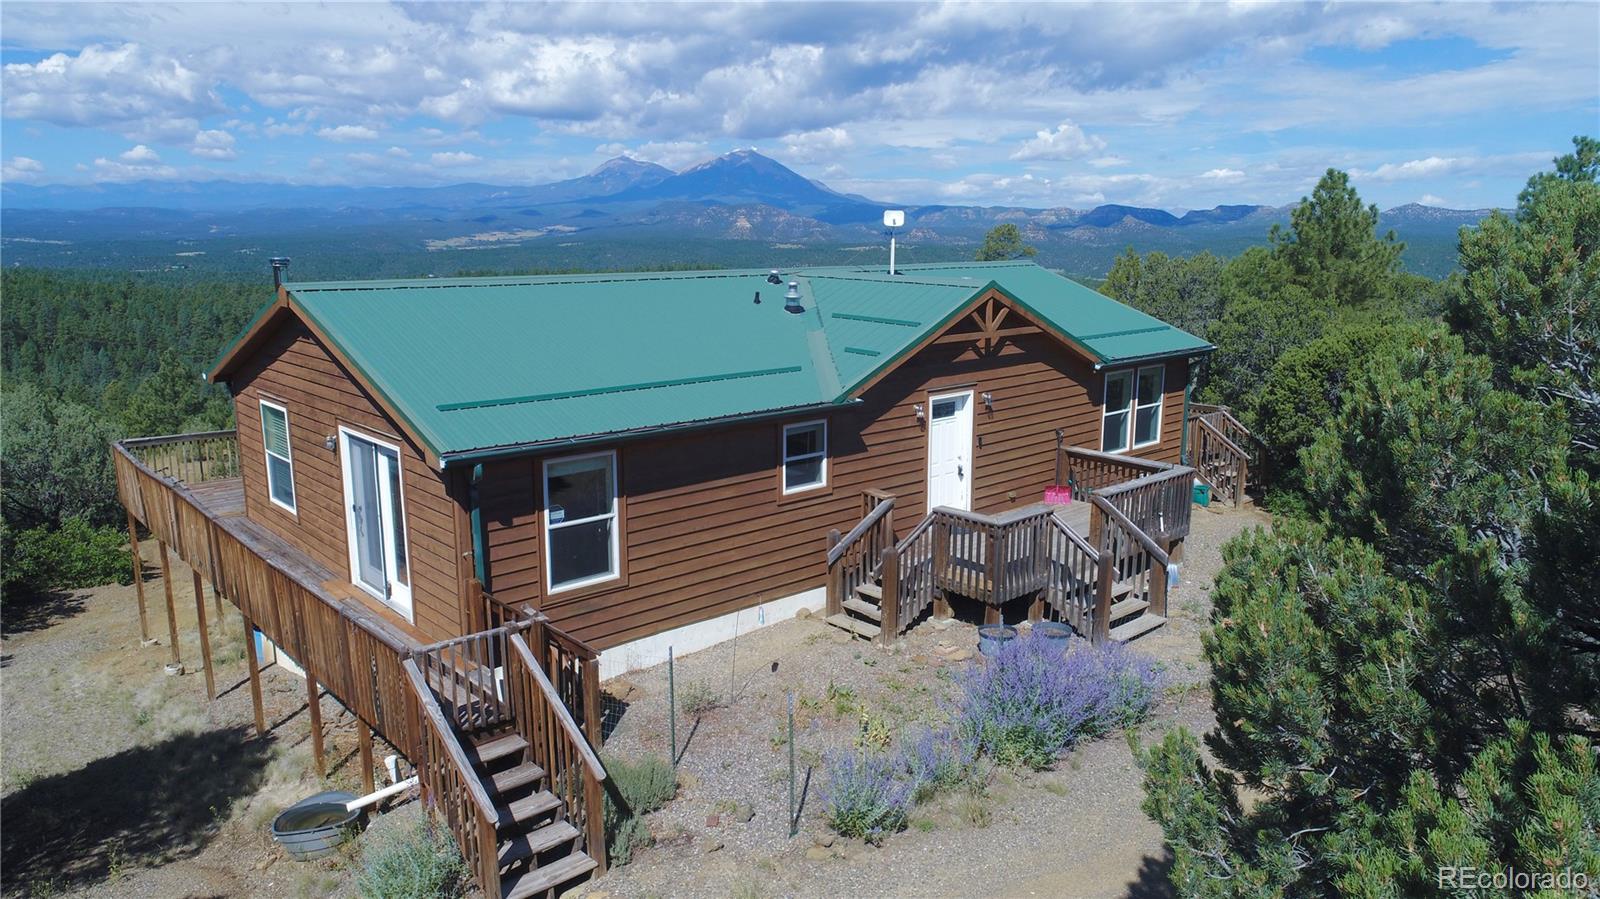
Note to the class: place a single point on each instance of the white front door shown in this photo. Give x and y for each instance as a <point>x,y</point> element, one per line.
<point>375,519</point>
<point>950,451</point>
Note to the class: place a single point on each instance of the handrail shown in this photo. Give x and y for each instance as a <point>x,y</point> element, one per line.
<point>556,633</point>
<point>508,628</point>
<point>836,552</point>
<point>1077,538</point>
<point>447,735</point>
<point>1155,477</point>
<point>563,715</point>
<point>1227,444</point>
<point>132,442</point>
<point>1118,458</point>
<point>1127,524</point>
<point>1009,516</point>
<point>922,526</point>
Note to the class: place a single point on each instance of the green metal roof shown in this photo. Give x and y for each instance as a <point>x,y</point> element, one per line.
<point>477,364</point>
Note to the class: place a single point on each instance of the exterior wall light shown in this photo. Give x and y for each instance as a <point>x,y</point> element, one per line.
<point>330,443</point>
<point>920,416</point>
<point>988,401</point>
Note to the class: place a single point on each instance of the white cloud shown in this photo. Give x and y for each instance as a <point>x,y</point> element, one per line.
<point>1108,162</point>
<point>126,88</point>
<point>21,168</point>
<point>1224,176</point>
<point>398,152</point>
<point>118,170</point>
<point>1433,200</point>
<point>816,146</point>
<point>347,133</point>
<point>214,144</point>
<point>140,155</point>
<point>1066,142</point>
<point>454,157</point>
<point>1415,168</point>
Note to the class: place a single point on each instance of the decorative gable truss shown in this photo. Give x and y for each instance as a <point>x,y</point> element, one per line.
<point>988,325</point>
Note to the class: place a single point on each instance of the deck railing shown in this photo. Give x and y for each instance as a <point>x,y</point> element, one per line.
<point>1072,588</point>
<point>451,786</point>
<point>189,458</point>
<point>558,745</point>
<point>383,678</point>
<point>855,558</point>
<point>1137,560</point>
<point>1223,450</point>
<point>1156,496</point>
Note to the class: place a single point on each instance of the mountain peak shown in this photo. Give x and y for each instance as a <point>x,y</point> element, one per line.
<point>627,165</point>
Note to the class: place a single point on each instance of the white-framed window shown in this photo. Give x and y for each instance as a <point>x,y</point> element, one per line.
<point>280,461</point>
<point>805,456</point>
<point>1115,414</point>
<point>1131,416</point>
<point>1150,388</point>
<point>581,527</point>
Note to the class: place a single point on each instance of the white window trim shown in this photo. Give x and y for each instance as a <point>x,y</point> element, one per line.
<point>616,524</point>
<point>1161,398</point>
<point>783,468</point>
<point>269,455</point>
<point>1106,411</point>
<point>401,597</point>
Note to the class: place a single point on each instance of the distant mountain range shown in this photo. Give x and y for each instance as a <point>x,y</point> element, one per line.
<point>738,196</point>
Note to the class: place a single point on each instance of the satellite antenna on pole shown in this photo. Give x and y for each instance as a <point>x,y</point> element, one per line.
<point>892,219</point>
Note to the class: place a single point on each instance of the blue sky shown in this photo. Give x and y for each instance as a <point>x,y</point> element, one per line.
<point>1161,104</point>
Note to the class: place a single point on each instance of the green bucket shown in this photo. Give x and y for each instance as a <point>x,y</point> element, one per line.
<point>1202,494</point>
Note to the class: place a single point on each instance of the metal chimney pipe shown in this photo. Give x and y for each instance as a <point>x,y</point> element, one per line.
<point>280,264</point>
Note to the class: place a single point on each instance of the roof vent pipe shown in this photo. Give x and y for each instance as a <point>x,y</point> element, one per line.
<point>774,278</point>
<point>791,300</point>
<point>280,264</point>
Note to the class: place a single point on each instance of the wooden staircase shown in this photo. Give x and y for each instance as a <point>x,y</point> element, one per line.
<point>863,612</point>
<point>536,845</point>
<point>505,764</point>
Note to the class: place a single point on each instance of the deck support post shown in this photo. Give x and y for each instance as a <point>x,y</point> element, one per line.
<point>1238,483</point>
<point>314,710</point>
<point>594,730</point>
<point>1036,608</point>
<point>138,579</point>
<point>253,665</point>
<point>991,614</point>
<point>889,608</point>
<point>205,636</point>
<point>1101,626</point>
<point>835,601</point>
<point>364,737</point>
<point>172,608</point>
<point>941,605</point>
<point>1158,582</point>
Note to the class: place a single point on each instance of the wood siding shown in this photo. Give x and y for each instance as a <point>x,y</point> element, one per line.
<point>293,369</point>
<point>706,531</point>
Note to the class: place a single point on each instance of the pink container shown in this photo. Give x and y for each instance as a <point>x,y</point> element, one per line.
<point>1058,494</point>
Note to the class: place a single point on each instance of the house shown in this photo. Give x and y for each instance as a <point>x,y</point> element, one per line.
<point>565,475</point>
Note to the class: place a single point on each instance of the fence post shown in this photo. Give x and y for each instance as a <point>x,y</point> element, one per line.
<point>835,601</point>
<point>794,824</point>
<point>1102,598</point>
<point>889,607</point>
<point>672,709</point>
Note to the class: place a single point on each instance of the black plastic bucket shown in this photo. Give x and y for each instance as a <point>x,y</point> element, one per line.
<point>993,636</point>
<point>315,826</point>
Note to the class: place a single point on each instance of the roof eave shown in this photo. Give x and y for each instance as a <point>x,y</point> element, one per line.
<point>1189,352</point>
<point>514,450</point>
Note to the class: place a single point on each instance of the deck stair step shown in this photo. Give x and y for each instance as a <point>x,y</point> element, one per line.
<point>522,847</point>
<point>495,749</point>
<point>1145,623</point>
<point>854,625</point>
<point>864,609</point>
<point>527,808</point>
<point>871,591</point>
<point>546,878</point>
<point>502,782</point>
<point>1128,607</point>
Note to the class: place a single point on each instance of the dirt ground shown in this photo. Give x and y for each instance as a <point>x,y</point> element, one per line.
<point>122,781</point>
<point>1073,831</point>
<point>117,780</point>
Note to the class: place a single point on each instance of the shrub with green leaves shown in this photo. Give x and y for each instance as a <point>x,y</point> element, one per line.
<point>642,785</point>
<point>419,862</point>
<point>76,556</point>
